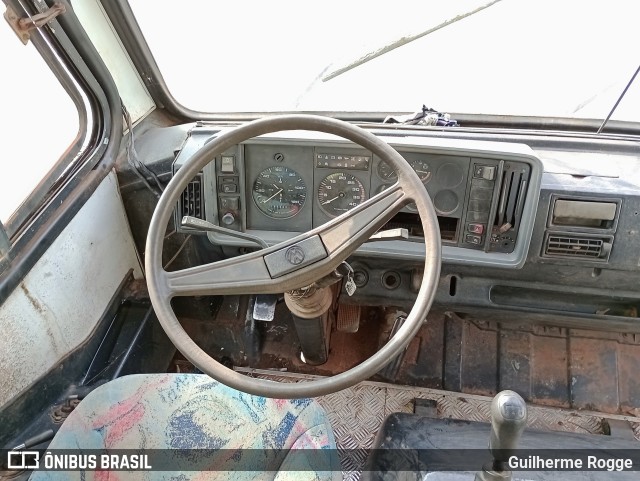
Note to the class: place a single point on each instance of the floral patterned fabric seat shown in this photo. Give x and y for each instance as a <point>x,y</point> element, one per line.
<point>205,430</point>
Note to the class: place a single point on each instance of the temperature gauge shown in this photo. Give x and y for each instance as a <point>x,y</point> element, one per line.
<point>421,167</point>
<point>386,172</point>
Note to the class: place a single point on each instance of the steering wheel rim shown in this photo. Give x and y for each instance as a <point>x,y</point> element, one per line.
<point>163,285</point>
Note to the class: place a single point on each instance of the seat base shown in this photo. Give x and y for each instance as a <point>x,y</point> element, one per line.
<point>453,450</point>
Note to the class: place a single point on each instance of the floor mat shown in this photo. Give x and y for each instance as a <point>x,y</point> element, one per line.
<point>357,413</point>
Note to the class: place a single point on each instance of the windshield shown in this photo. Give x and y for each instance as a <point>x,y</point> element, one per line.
<point>511,57</point>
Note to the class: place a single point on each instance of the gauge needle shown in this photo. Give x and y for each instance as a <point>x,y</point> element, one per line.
<point>267,200</point>
<point>329,201</point>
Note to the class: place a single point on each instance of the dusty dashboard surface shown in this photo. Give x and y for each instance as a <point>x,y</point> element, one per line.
<point>485,194</point>
<point>532,314</point>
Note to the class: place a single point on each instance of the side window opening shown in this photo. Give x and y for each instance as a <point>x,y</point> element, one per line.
<point>39,121</point>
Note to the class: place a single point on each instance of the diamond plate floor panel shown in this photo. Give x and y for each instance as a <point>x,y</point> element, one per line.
<point>357,413</point>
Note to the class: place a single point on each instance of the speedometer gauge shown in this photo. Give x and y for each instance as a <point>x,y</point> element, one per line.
<point>279,192</point>
<point>340,192</point>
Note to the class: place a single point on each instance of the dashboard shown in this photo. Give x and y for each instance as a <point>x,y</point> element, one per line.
<point>277,186</point>
<point>559,241</point>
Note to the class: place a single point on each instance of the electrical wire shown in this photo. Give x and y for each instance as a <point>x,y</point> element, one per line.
<point>141,170</point>
<point>175,256</point>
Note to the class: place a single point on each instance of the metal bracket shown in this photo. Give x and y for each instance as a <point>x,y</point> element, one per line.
<point>22,26</point>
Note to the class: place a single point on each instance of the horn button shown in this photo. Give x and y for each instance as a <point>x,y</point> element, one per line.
<point>296,256</point>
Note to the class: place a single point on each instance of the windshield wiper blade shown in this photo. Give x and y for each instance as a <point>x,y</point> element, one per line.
<point>402,41</point>
<point>615,106</point>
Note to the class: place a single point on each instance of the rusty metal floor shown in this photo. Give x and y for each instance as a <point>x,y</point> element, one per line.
<point>547,365</point>
<point>356,414</point>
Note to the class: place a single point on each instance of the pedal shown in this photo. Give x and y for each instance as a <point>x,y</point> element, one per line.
<point>348,318</point>
<point>264,308</point>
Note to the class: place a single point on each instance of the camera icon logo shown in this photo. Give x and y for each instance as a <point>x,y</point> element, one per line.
<point>23,459</point>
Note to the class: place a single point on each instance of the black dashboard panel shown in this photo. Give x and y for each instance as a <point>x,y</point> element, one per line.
<point>485,194</point>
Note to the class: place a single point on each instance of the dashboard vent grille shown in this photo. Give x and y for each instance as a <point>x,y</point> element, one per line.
<point>512,192</point>
<point>191,202</point>
<point>578,246</point>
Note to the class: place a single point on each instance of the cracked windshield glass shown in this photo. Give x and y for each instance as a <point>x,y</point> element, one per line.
<point>509,57</point>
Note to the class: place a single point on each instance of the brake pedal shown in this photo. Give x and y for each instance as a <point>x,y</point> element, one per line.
<point>348,318</point>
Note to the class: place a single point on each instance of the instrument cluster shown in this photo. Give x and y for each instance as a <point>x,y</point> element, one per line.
<point>278,187</point>
<point>340,181</point>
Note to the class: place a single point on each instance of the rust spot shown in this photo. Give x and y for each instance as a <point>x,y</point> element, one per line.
<point>137,290</point>
<point>41,309</point>
<point>34,302</point>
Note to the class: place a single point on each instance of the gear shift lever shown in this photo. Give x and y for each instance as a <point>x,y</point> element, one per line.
<point>508,420</point>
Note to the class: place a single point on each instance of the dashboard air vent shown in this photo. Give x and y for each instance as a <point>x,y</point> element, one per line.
<point>512,192</point>
<point>191,201</point>
<point>578,246</point>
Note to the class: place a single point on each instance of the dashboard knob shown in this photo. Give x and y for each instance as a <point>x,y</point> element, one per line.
<point>228,218</point>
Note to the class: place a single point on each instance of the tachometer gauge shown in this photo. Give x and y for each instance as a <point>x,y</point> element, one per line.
<point>339,193</point>
<point>279,192</point>
<point>422,169</point>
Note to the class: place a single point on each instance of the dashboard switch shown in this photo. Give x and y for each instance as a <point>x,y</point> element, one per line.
<point>476,228</point>
<point>228,179</point>
<point>229,188</point>
<point>229,203</point>
<point>486,172</point>
<point>227,164</point>
<point>473,239</point>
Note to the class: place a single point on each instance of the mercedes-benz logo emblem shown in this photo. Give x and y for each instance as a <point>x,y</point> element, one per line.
<point>294,254</point>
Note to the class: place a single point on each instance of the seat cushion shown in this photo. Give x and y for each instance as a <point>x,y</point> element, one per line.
<point>180,413</point>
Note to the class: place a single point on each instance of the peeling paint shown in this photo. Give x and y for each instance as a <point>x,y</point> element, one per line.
<point>61,299</point>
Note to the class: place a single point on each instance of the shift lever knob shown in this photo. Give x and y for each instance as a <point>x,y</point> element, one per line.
<point>508,420</point>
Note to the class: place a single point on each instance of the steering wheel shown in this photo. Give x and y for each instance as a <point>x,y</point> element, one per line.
<point>272,271</point>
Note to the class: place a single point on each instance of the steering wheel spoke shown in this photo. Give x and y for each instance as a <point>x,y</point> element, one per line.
<point>234,276</point>
<point>291,264</point>
<point>352,229</point>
